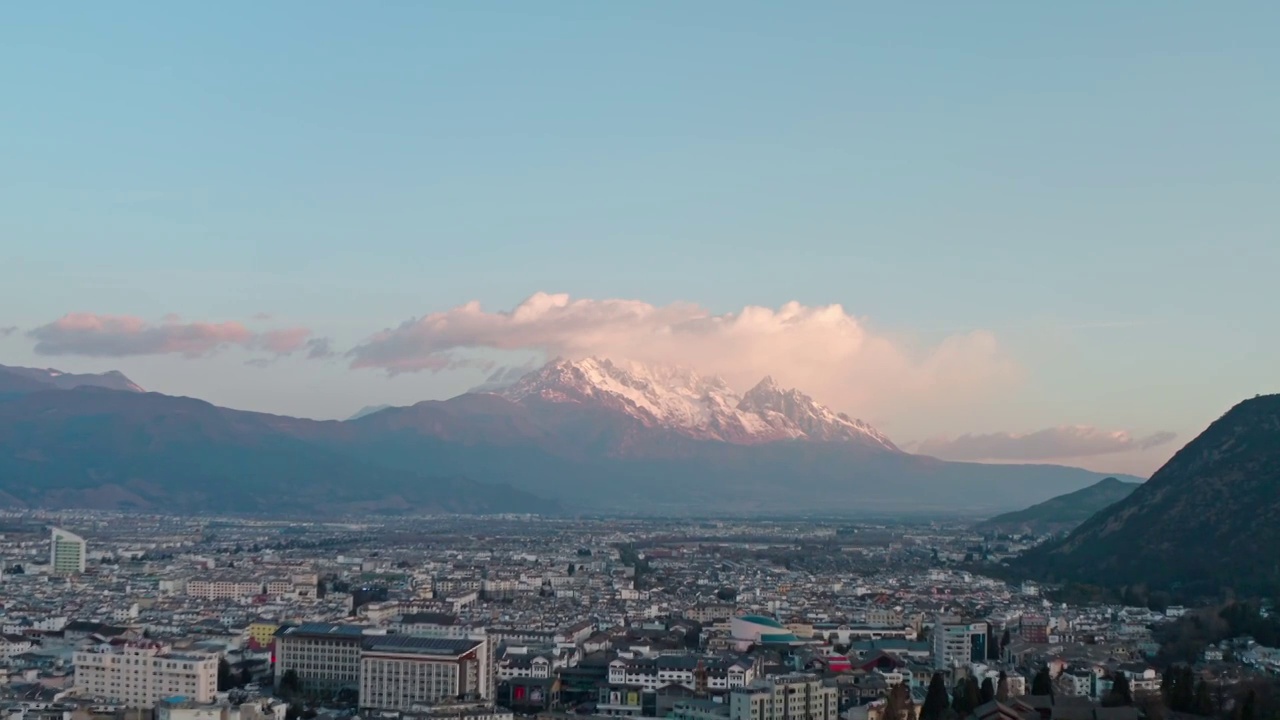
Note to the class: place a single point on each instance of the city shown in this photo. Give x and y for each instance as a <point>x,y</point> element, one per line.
<point>189,618</point>
<point>639,359</point>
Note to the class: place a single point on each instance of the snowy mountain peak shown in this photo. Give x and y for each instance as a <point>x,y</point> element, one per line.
<point>794,409</point>
<point>681,399</point>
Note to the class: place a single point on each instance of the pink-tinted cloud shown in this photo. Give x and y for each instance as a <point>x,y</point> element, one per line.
<point>1057,443</point>
<point>822,349</point>
<point>94,335</point>
<point>284,342</point>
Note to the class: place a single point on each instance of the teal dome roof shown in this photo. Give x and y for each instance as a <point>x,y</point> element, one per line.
<point>762,620</point>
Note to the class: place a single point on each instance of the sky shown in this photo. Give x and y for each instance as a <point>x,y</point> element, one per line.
<point>999,231</point>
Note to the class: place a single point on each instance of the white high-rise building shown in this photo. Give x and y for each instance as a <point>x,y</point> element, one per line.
<point>144,673</point>
<point>66,552</point>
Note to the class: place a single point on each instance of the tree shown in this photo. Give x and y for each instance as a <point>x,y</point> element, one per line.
<point>935,701</point>
<point>972,693</point>
<point>897,703</point>
<point>1002,687</point>
<point>1203,703</point>
<point>987,691</point>
<point>290,685</point>
<point>1042,683</point>
<point>1120,695</point>
<point>1249,708</point>
<point>321,590</point>
<point>960,700</point>
<point>225,681</point>
<point>572,569</point>
<point>1005,640</point>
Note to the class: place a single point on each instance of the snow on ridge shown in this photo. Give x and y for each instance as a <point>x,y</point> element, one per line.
<point>700,406</point>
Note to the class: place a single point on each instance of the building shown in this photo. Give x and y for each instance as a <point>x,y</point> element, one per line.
<point>262,631</point>
<point>141,674</point>
<point>223,589</point>
<point>325,657</point>
<point>795,696</point>
<point>750,630</point>
<point>67,552</point>
<point>690,671</point>
<point>1034,628</point>
<point>184,709</point>
<point>958,643</point>
<point>398,672</point>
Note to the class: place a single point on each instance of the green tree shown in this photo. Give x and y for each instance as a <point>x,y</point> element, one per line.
<point>1203,703</point>
<point>898,703</point>
<point>972,693</point>
<point>987,691</point>
<point>1002,687</point>
<point>290,685</point>
<point>225,680</point>
<point>960,700</point>
<point>1042,683</point>
<point>1120,695</point>
<point>935,701</point>
<point>1249,707</point>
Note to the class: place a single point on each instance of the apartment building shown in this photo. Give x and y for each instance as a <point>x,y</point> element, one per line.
<point>957,643</point>
<point>66,552</point>
<point>398,672</point>
<point>710,612</point>
<point>795,696</point>
<point>324,656</point>
<point>691,671</point>
<point>141,674</point>
<point>223,589</point>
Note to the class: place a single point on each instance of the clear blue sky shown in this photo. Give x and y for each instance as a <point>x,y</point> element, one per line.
<point>1096,184</point>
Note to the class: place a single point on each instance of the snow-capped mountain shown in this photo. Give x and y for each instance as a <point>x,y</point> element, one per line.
<point>697,406</point>
<point>112,379</point>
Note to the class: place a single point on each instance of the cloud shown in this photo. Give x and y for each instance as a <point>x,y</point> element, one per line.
<point>93,335</point>
<point>504,376</point>
<point>262,316</point>
<point>1071,441</point>
<point>7,331</point>
<point>821,349</point>
<point>319,348</point>
<point>283,342</point>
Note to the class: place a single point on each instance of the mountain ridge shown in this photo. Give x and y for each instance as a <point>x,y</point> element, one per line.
<point>1061,513</point>
<point>701,407</point>
<point>1205,521</point>
<point>111,379</point>
<point>558,446</point>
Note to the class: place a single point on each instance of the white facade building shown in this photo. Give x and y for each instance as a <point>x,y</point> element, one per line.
<point>67,552</point>
<point>144,673</point>
<point>398,672</point>
<point>785,697</point>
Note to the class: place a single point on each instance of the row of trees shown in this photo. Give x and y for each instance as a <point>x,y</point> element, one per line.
<point>962,700</point>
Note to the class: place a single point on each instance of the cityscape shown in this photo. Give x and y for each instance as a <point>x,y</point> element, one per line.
<point>661,360</point>
<point>509,615</point>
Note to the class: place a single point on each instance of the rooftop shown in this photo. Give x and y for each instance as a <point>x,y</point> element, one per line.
<point>445,647</point>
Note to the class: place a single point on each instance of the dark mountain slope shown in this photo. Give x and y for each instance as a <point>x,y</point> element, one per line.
<point>1061,513</point>
<point>50,378</point>
<point>89,447</point>
<point>597,458</point>
<point>1208,519</point>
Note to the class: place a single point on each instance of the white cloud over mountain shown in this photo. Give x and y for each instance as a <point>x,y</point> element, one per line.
<point>1056,443</point>
<point>826,350</point>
